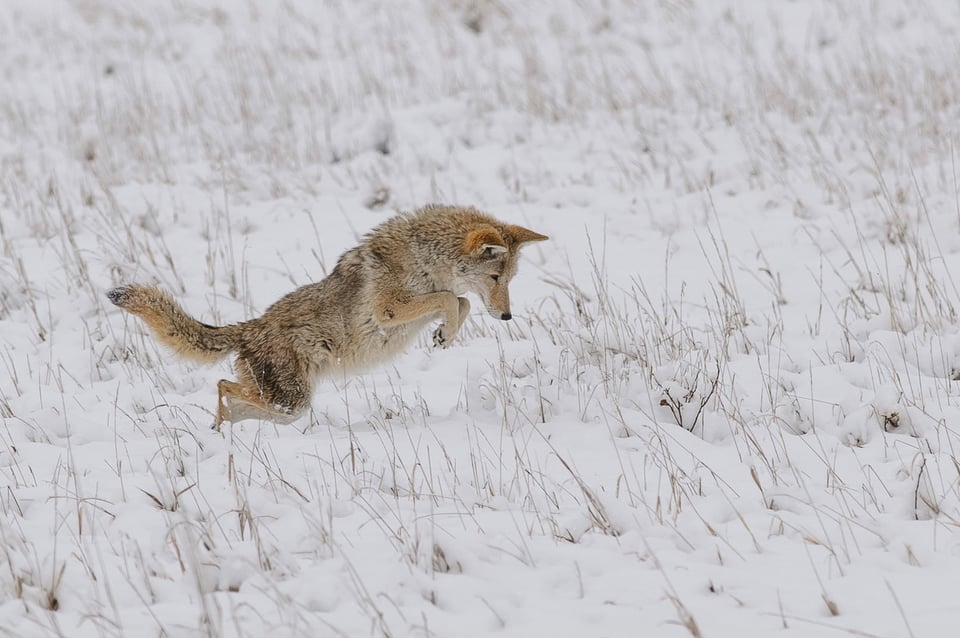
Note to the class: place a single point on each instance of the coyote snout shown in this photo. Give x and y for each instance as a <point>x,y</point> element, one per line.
<point>497,299</point>
<point>497,303</point>
<point>410,271</point>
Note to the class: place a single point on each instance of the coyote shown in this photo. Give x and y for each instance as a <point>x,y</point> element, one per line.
<point>409,271</point>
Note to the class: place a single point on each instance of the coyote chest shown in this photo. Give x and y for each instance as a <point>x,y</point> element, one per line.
<point>377,343</point>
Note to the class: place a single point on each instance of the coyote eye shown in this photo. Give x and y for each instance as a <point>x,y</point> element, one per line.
<point>495,277</point>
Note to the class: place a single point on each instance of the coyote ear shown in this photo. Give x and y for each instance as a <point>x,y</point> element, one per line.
<point>484,243</point>
<point>492,250</point>
<point>521,235</point>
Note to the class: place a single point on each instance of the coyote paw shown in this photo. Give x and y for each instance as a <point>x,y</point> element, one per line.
<point>441,336</point>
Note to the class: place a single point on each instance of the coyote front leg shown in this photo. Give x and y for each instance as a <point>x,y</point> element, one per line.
<point>442,336</point>
<point>453,309</point>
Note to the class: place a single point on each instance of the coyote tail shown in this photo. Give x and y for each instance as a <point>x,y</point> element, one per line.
<point>173,327</point>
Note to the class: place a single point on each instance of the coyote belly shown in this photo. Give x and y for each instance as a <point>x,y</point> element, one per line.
<point>408,272</point>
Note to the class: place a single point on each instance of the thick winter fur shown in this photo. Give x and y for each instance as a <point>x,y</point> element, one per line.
<point>409,271</point>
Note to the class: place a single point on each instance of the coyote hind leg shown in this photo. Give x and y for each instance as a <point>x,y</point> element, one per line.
<point>238,402</point>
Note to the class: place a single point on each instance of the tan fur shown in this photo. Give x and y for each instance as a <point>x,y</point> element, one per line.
<point>411,270</point>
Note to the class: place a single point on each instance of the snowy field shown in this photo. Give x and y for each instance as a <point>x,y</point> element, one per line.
<point>728,404</point>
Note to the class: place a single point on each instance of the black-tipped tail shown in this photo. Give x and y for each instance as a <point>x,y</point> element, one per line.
<point>118,296</point>
<point>174,327</point>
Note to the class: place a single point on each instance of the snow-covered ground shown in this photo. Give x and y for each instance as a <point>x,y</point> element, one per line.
<point>728,404</point>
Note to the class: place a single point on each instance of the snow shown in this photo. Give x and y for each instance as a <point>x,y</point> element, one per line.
<point>728,403</point>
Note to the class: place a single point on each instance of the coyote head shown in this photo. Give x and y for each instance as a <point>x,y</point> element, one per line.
<point>490,262</point>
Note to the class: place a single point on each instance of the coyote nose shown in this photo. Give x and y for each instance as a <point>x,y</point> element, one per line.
<point>505,316</point>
